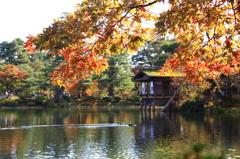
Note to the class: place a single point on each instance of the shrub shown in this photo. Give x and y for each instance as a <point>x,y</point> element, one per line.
<point>116,99</point>
<point>2,102</point>
<point>50,104</point>
<point>218,109</point>
<point>12,103</point>
<point>196,106</point>
<point>67,98</point>
<point>108,99</point>
<point>21,95</point>
<point>90,98</point>
<point>136,98</point>
<point>125,103</point>
<point>130,99</point>
<point>20,101</point>
<point>31,104</point>
<point>40,100</point>
<point>62,100</point>
<point>64,105</point>
<point>25,101</point>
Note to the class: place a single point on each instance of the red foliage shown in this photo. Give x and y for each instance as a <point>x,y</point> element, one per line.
<point>10,75</point>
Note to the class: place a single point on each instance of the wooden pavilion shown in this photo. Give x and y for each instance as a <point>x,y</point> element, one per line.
<point>156,88</point>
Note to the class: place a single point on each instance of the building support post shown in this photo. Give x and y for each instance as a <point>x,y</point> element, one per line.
<point>153,107</point>
<point>149,105</point>
<point>141,105</point>
<point>145,105</point>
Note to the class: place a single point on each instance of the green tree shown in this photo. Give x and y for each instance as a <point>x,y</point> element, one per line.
<point>118,77</point>
<point>52,63</point>
<point>161,59</point>
<point>169,46</point>
<point>39,66</point>
<point>36,80</point>
<point>155,52</point>
<point>29,85</point>
<point>11,51</point>
<point>147,54</point>
<point>23,58</point>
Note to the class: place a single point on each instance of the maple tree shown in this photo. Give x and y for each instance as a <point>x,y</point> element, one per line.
<point>11,76</point>
<point>93,89</point>
<point>208,32</point>
<point>95,31</point>
<point>72,87</point>
<point>81,87</point>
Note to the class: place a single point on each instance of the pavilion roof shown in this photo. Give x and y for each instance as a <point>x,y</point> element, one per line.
<point>148,75</point>
<point>165,74</point>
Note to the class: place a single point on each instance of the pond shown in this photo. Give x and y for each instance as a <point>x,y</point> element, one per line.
<point>94,132</point>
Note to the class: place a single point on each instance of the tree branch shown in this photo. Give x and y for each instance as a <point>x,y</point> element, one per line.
<point>144,5</point>
<point>139,6</point>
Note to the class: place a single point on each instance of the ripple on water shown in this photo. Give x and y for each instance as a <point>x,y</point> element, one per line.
<point>88,126</point>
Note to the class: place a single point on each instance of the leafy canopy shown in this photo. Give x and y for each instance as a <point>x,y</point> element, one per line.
<point>11,76</point>
<point>207,30</point>
<point>95,31</point>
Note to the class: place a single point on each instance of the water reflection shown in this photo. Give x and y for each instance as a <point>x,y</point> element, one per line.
<point>94,133</point>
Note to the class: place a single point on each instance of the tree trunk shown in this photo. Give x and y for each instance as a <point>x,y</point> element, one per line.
<point>83,91</point>
<point>228,99</point>
<point>111,90</point>
<point>58,94</point>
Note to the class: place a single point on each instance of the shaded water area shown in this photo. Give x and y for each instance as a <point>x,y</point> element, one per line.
<point>93,132</point>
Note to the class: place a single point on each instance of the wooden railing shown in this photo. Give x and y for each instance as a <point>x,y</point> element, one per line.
<point>157,92</point>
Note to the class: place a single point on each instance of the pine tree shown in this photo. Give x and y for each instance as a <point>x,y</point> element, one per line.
<point>155,52</point>
<point>10,51</point>
<point>117,79</point>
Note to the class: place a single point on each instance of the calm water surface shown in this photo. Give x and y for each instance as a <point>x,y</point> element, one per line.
<point>90,133</point>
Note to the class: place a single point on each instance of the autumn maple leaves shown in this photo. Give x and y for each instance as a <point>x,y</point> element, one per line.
<point>207,31</point>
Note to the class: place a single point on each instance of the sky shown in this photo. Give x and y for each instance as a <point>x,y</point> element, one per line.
<point>19,18</point>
